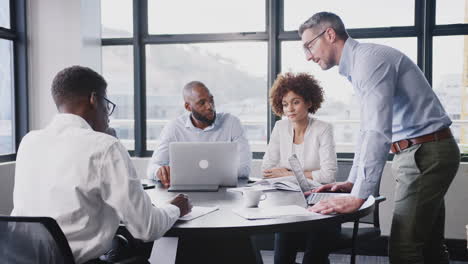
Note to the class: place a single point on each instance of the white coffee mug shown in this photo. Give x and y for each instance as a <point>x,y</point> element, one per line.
<point>253,197</point>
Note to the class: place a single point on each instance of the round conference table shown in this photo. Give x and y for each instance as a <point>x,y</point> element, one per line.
<point>223,236</point>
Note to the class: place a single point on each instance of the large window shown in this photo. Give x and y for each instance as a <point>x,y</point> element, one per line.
<point>5,14</point>
<point>7,133</point>
<point>235,73</point>
<point>151,48</point>
<point>13,95</point>
<point>355,14</point>
<point>450,82</point>
<point>117,67</point>
<point>116,19</point>
<point>205,16</point>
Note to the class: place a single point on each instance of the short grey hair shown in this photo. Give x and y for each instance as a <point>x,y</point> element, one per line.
<point>187,92</point>
<point>324,20</point>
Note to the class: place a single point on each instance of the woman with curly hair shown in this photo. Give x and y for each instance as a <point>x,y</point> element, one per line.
<point>297,97</point>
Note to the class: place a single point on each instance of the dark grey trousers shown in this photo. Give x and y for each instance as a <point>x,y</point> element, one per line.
<point>423,174</point>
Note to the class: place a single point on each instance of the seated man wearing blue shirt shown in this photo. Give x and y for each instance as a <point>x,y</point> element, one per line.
<point>201,123</point>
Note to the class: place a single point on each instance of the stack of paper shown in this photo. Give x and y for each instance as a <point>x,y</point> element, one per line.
<point>283,183</point>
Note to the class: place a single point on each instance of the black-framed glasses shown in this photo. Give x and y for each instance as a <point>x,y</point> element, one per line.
<point>308,45</point>
<point>110,106</point>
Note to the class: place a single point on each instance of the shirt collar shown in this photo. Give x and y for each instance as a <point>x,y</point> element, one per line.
<point>67,120</point>
<point>189,124</point>
<point>346,60</point>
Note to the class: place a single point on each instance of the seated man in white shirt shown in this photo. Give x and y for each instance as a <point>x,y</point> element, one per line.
<point>83,178</point>
<point>200,123</point>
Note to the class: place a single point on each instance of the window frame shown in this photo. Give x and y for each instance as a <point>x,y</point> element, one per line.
<point>424,29</point>
<point>17,34</point>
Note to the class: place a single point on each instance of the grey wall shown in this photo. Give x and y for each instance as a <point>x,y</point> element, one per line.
<point>7,172</point>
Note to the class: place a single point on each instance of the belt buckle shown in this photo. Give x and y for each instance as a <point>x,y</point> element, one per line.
<point>405,143</point>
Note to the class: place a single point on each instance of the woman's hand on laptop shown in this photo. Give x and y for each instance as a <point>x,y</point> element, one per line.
<point>333,187</point>
<point>183,202</point>
<point>164,175</point>
<point>276,173</point>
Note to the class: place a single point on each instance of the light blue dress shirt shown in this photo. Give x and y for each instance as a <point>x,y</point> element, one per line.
<point>396,102</point>
<point>226,128</point>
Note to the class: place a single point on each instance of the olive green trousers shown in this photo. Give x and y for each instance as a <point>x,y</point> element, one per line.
<point>423,174</point>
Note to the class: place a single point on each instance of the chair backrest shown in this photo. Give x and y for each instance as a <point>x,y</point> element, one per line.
<point>33,240</point>
<point>344,167</point>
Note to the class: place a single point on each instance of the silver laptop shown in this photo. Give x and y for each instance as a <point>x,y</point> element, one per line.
<point>313,198</point>
<point>203,166</point>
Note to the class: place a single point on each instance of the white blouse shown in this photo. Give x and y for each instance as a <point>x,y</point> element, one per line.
<point>318,156</point>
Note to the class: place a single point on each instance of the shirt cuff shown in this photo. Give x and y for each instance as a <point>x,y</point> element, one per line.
<point>151,172</point>
<point>172,210</point>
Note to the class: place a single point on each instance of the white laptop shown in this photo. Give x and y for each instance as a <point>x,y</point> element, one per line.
<point>313,198</point>
<point>203,166</point>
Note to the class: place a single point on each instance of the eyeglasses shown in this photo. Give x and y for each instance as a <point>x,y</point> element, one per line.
<point>110,106</point>
<point>307,46</point>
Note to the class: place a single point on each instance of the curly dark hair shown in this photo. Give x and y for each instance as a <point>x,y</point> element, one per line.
<point>76,81</point>
<point>302,84</point>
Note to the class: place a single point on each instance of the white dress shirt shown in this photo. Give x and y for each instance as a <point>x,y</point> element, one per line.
<point>396,103</point>
<point>318,152</point>
<point>86,181</point>
<point>225,128</point>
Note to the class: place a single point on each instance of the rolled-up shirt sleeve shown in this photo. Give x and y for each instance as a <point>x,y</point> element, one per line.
<point>377,92</point>
<point>271,158</point>
<point>357,148</point>
<point>161,153</point>
<point>327,153</point>
<point>245,156</point>
<point>122,190</point>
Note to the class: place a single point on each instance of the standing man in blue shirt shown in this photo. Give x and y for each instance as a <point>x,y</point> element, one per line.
<point>399,111</point>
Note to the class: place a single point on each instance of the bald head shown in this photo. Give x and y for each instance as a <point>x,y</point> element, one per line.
<point>199,101</point>
<point>193,87</point>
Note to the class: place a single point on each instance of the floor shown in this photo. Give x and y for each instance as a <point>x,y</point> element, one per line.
<point>267,257</point>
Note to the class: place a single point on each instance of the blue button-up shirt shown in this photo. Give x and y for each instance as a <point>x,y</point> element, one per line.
<point>396,102</point>
<point>225,128</point>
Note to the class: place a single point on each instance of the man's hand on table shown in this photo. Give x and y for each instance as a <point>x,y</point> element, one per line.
<point>340,204</point>
<point>183,202</point>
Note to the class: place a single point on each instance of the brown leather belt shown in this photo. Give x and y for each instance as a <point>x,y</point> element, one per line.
<point>398,146</point>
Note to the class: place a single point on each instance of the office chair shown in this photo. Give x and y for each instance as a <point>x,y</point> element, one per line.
<point>30,240</point>
<point>33,240</point>
<point>351,235</point>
